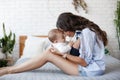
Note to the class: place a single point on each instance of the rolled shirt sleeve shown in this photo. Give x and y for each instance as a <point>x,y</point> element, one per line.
<point>87,45</point>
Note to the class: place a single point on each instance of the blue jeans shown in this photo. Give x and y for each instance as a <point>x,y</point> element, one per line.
<point>92,73</point>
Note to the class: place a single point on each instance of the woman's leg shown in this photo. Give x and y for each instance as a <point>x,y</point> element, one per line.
<point>31,64</point>
<point>36,62</point>
<point>28,65</point>
<point>65,65</point>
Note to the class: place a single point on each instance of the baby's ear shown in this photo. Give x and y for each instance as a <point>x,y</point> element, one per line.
<point>55,41</point>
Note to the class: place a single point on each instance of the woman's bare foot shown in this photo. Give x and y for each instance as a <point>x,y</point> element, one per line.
<point>3,71</point>
<point>2,68</point>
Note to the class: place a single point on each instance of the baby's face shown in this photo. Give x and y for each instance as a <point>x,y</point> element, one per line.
<point>61,38</point>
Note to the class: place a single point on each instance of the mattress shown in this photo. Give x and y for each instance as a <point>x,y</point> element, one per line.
<point>51,72</point>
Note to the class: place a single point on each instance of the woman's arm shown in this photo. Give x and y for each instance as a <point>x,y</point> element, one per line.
<point>75,59</point>
<point>77,44</point>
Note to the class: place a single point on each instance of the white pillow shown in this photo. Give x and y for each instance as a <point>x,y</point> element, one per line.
<point>34,46</point>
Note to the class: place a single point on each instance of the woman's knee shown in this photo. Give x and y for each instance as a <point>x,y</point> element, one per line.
<point>47,54</point>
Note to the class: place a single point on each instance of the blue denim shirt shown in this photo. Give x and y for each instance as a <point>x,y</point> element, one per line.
<point>92,50</point>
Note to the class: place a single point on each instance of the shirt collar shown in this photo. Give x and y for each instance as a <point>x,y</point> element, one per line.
<point>77,34</point>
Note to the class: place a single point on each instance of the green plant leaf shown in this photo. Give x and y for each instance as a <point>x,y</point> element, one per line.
<point>3,63</point>
<point>117,22</point>
<point>9,36</point>
<point>4,31</point>
<point>7,42</point>
<point>106,51</point>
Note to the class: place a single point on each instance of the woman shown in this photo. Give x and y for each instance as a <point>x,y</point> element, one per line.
<point>92,42</point>
<point>91,48</point>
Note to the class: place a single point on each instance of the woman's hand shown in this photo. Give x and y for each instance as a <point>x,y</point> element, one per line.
<point>77,44</point>
<point>65,56</point>
<point>71,43</point>
<point>75,59</point>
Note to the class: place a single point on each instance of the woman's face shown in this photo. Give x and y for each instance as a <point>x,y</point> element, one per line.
<point>68,33</point>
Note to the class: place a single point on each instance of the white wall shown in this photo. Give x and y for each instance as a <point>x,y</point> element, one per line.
<point>37,17</point>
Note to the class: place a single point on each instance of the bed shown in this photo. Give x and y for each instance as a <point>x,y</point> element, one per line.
<point>51,72</point>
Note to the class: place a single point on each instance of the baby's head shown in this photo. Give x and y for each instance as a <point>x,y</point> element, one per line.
<point>56,36</point>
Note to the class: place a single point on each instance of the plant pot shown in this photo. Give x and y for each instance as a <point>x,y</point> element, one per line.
<point>9,59</point>
<point>9,56</point>
<point>3,62</point>
<point>2,55</point>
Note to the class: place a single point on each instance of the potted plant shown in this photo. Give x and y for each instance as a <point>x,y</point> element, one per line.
<point>7,43</point>
<point>117,22</point>
<point>80,3</point>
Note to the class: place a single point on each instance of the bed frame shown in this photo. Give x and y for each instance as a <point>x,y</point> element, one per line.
<point>22,39</point>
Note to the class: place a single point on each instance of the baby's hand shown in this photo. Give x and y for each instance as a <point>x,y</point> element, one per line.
<point>53,50</point>
<point>71,43</point>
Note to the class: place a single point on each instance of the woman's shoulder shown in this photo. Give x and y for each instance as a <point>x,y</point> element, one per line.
<point>87,31</point>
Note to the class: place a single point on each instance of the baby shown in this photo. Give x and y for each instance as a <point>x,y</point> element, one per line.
<point>60,45</point>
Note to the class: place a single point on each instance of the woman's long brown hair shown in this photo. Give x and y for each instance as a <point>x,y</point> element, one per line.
<point>71,22</point>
